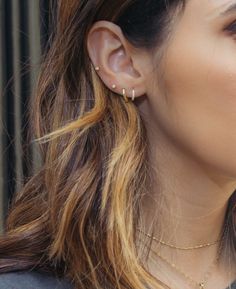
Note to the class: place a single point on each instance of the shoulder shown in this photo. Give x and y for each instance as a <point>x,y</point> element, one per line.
<point>32,280</point>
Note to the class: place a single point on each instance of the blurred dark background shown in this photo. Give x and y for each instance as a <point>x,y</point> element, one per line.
<point>25,27</point>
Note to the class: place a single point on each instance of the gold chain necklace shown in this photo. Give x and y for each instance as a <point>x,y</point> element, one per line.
<point>202,284</point>
<point>180,248</point>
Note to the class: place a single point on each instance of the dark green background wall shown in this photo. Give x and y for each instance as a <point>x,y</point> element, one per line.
<point>24,32</point>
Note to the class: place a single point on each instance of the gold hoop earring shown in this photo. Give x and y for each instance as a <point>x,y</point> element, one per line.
<point>133,94</point>
<point>124,95</point>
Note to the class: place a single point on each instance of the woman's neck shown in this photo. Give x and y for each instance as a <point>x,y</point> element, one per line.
<point>189,203</point>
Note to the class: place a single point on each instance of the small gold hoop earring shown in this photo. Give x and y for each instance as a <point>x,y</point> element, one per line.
<point>133,94</point>
<point>124,95</point>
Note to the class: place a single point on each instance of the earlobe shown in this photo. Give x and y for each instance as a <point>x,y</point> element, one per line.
<point>97,68</point>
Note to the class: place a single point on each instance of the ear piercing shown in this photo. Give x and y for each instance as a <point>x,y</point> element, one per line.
<point>97,68</point>
<point>124,95</point>
<point>133,94</point>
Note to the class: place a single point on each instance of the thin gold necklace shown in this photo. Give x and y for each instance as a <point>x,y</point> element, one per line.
<point>200,285</point>
<point>177,247</point>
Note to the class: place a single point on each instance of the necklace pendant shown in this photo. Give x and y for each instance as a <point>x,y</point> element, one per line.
<point>201,285</point>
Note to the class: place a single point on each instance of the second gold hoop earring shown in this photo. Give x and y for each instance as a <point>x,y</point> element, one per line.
<point>133,94</point>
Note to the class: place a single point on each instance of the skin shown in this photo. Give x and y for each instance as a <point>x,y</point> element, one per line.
<point>188,102</point>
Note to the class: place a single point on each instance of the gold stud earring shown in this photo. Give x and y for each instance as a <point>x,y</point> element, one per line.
<point>97,68</point>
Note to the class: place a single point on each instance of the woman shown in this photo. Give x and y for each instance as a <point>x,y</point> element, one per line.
<point>135,113</point>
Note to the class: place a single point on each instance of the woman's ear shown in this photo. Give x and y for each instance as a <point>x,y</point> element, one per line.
<point>121,66</point>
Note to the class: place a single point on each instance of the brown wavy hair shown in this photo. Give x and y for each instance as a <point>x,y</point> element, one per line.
<point>77,217</point>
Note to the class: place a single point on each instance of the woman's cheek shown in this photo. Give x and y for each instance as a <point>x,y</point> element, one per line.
<point>202,111</point>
